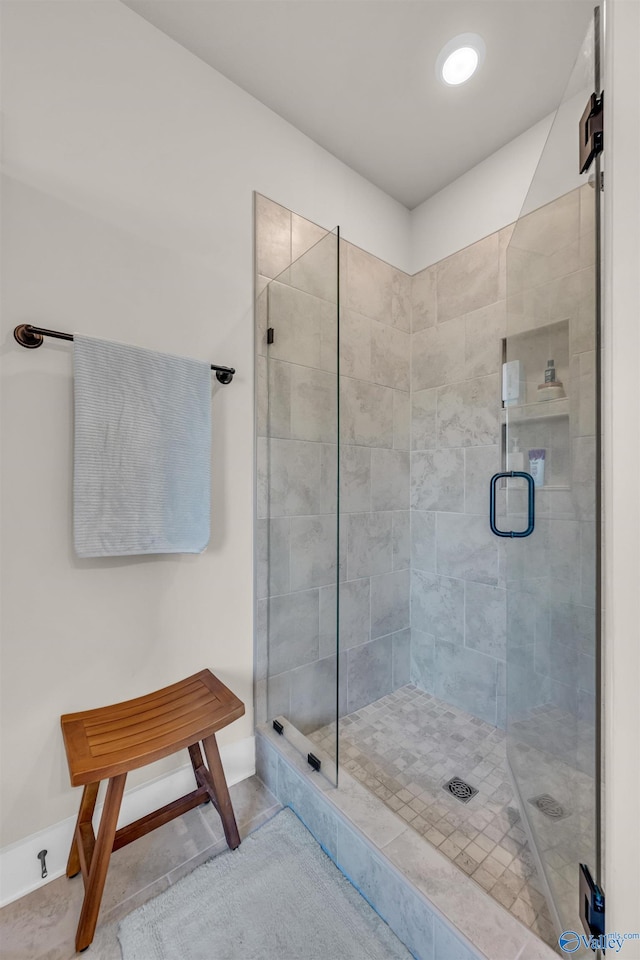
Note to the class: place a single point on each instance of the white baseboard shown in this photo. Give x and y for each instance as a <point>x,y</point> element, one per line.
<point>19,865</point>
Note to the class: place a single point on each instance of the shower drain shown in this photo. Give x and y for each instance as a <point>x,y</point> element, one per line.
<point>459,789</point>
<point>549,806</point>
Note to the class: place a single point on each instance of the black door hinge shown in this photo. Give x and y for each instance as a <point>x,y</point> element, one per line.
<point>277,726</point>
<point>313,761</point>
<point>591,904</point>
<point>270,335</point>
<point>591,129</point>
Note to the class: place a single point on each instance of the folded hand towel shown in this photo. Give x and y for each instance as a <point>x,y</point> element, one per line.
<point>142,456</point>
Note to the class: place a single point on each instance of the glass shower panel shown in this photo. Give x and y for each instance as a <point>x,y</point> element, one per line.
<point>302,496</point>
<point>550,401</point>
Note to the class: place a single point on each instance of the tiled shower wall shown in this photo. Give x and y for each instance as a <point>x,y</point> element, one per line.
<point>296,530</point>
<point>552,584</point>
<point>458,597</point>
<point>423,593</point>
<point>470,591</point>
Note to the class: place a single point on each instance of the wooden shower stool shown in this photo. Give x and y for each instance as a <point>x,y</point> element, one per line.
<point>108,742</point>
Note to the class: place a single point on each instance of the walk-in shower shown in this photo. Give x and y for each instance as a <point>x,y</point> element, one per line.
<point>450,670</point>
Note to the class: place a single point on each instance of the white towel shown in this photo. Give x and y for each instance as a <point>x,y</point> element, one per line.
<point>142,456</point>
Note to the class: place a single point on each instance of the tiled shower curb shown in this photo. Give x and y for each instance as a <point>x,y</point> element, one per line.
<point>429,903</point>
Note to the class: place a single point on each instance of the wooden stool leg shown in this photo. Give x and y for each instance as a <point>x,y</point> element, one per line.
<point>197,763</point>
<point>100,862</point>
<point>87,806</point>
<point>222,798</point>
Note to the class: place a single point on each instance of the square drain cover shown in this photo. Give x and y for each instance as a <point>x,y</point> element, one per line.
<point>549,806</point>
<point>460,789</point>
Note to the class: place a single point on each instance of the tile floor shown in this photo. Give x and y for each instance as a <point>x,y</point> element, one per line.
<point>41,926</point>
<point>404,747</point>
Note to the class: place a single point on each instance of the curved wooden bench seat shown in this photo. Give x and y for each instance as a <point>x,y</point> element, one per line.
<point>108,742</point>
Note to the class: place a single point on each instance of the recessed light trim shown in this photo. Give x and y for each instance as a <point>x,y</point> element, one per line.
<point>459,59</point>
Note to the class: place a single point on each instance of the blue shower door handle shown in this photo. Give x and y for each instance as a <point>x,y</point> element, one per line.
<point>531,505</point>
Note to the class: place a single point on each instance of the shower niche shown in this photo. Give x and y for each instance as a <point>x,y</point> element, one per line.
<point>536,404</point>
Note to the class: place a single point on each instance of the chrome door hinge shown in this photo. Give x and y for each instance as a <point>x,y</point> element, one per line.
<point>591,128</point>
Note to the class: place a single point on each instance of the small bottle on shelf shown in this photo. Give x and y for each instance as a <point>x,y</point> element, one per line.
<point>551,389</point>
<point>515,459</point>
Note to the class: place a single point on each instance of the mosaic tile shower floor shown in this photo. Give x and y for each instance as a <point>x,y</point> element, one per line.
<point>404,748</point>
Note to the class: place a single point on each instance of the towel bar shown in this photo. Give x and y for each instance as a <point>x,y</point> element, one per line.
<point>31,337</point>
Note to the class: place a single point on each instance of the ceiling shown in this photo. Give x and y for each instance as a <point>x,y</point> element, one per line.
<point>358,76</point>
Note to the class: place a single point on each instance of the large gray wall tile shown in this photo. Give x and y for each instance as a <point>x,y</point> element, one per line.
<point>314,551</point>
<point>394,899</point>
<point>423,541</point>
<point>278,695</point>
<point>401,420</point>
<point>354,614</point>
<point>423,296</point>
<point>370,544</point>
<point>501,695</point>
<point>262,396</point>
<point>437,606</point>
<point>486,619</point>
<point>369,672</point>
<point>468,413</point>
<point>366,413</point>
<point>468,279</point>
<point>389,479</point>
<point>262,478</point>
<point>316,270</point>
<point>327,499</point>
<point>466,678</point>
<point>438,355</point>
<point>401,300</point>
<point>272,557</point>
<point>355,478</point>
<point>484,330</point>
<point>447,945</point>
<point>452,415</point>
<point>278,423</point>
<point>390,356</point>
<point>314,404</point>
<point>466,548</point>
<point>303,326</point>
<point>390,603</point>
<point>294,478</point>
<point>422,659</point>
<point>304,235</point>
<point>293,630</point>
<point>424,419</point>
<point>401,535</point>
<point>273,237</point>
<point>355,345</point>
<point>437,480</point>
<point>377,290</point>
<point>310,806</point>
<point>483,411</point>
<point>480,464</point>
<point>401,658</point>
<point>313,695</point>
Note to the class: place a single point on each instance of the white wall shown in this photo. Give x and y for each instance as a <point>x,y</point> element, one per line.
<point>622,469</point>
<point>481,201</point>
<point>127,192</point>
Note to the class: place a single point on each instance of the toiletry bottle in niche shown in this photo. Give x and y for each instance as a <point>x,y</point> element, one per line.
<point>515,459</point>
<point>550,372</point>
<point>536,466</point>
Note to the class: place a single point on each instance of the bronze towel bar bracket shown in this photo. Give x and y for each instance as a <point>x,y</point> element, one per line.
<point>31,337</point>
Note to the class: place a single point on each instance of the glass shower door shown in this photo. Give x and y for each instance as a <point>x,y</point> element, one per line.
<point>550,432</point>
<point>300,472</point>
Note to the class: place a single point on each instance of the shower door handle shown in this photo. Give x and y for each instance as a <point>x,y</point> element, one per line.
<point>530,509</point>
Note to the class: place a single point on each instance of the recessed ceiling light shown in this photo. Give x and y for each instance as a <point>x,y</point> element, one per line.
<point>460,58</point>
